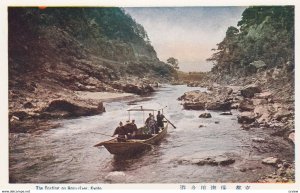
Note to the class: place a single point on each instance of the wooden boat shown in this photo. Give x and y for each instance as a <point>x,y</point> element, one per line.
<point>139,143</point>
<point>133,146</point>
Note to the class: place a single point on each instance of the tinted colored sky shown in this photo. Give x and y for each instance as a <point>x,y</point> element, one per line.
<point>186,33</point>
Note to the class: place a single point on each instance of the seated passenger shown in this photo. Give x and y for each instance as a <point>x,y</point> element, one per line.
<point>121,132</point>
<point>131,129</point>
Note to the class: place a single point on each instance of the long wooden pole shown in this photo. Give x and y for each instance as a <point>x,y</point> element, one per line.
<point>170,123</point>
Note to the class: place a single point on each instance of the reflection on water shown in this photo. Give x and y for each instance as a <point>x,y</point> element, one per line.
<point>67,155</point>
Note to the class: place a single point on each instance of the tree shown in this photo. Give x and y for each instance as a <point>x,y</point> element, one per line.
<point>264,33</point>
<point>173,62</point>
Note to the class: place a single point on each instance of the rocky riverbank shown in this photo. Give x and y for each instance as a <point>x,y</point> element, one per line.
<point>264,101</point>
<point>35,105</point>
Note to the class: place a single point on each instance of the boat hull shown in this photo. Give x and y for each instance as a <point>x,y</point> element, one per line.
<point>132,146</point>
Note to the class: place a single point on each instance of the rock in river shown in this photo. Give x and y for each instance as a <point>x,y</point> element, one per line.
<point>258,140</point>
<point>214,161</point>
<point>270,161</point>
<point>226,113</point>
<point>194,106</point>
<point>246,117</point>
<point>218,105</point>
<point>205,115</point>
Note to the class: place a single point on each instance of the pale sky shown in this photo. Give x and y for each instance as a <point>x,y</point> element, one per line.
<point>186,33</point>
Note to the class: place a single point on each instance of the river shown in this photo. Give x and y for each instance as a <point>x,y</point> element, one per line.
<point>66,154</point>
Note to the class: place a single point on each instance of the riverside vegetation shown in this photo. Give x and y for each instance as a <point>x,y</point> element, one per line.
<point>254,73</point>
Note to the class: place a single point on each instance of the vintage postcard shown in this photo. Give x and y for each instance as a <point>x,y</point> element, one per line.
<point>182,96</point>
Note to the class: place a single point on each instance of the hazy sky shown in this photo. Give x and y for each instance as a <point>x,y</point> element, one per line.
<point>186,33</point>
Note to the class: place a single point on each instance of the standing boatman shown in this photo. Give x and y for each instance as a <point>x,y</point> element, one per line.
<point>159,118</point>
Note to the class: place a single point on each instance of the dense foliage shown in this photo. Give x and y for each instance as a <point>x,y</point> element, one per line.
<point>265,36</point>
<point>173,62</point>
<point>107,32</point>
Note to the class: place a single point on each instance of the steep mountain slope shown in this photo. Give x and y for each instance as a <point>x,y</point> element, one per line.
<point>56,51</point>
<point>264,40</point>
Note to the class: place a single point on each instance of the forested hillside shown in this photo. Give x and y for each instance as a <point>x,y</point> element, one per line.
<point>264,39</point>
<point>109,33</point>
<point>55,52</point>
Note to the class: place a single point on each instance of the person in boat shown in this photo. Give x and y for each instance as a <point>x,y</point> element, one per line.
<point>121,132</point>
<point>146,129</point>
<point>148,119</point>
<point>127,125</point>
<point>151,124</point>
<point>131,129</point>
<point>159,118</point>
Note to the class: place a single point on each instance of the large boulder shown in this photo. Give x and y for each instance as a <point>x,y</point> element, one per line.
<point>194,106</point>
<point>250,90</point>
<point>246,117</point>
<point>219,99</point>
<point>263,113</point>
<point>218,105</point>
<point>130,88</point>
<point>64,108</point>
<point>195,96</point>
<point>142,89</point>
<point>246,105</point>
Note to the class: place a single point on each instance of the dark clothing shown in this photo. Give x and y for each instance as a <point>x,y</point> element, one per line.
<point>159,119</point>
<point>147,120</point>
<point>121,132</point>
<point>131,130</point>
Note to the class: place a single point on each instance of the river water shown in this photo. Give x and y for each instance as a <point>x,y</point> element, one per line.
<point>66,154</point>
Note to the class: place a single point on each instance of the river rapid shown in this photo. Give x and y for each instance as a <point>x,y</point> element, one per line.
<point>66,154</point>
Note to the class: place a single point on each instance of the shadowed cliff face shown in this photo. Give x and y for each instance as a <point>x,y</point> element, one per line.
<point>56,51</point>
<point>99,41</point>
